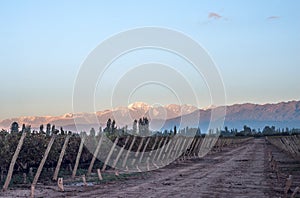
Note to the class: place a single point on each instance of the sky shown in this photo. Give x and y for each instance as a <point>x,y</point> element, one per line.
<point>254,44</point>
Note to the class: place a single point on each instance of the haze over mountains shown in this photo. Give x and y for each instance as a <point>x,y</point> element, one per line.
<point>281,115</point>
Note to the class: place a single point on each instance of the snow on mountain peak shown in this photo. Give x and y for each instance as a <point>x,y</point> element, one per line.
<point>210,107</point>
<point>68,115</point>
<point>181,109</point>
<point>139,105</point>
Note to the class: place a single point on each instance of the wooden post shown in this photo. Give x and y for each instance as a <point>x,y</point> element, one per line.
<point>127,154</point>
<point>199,145</point>
<point>120,153</point>
<point>189,146</point>
<point>204,149</point>
<point>162,149</point>
<point>139,170</point>
<point>84,180</point>
<point>182,147</point>
<point>40,168</point>
<point>156,152</point>
<point>172,145</point>
<point>174,150</point>
<point>192,147</point>
<point>32,191</point>
<point>222,144</point>
<point>193,154</point>
<point>61,156</point>
<point>167,149</point>
<point>138,151</point>
<point>177,149</point>
<point>185,147</point>
<point>110,153</point>
<point>95,155</point>
<point>144,149</point>
<point>13,161</point>
<point>288,184</point>
<point>99,174</point>
<point>78,157</point>
<point>152,148</point>
<point>60,184</point>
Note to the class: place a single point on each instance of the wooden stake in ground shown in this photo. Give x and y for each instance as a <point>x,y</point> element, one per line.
<point>181,150</point>
<point>185,150</point>
<point>152,148</point>
<point>157,149</point>
<point>110,153</point>
<point>176,147</point>
<point>137,167</point>
<point>61,156</point>
<point>40,168</point>
<point>32,192</point>
<point>99,174</point>
<point>172,147</point>
<point>60,184</point>
<point>95,155</point>
<point>78,156</point>
<point>162,149</point>
<point>198,147</point>
<point>192,146</point>
<point>127,154</point>
<point>288,184</point>
<point>13,161</point>
<point>167,149</point>
<point>121,151</point>
<point>148,164</point>
<point>144,149</point>
<point>138,151</point>
<point>84,180</point>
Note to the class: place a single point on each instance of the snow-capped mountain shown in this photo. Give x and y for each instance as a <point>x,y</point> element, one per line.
<point>283,114</point>
<point>122,115</point>
<point>141,106</point>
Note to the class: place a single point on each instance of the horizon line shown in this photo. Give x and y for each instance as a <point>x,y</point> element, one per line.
<point>212,106</point>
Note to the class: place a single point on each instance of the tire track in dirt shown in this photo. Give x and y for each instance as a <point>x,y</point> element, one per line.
<point>239,172</point>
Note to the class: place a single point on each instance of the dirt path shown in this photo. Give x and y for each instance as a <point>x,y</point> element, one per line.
<point>239,172</point>
<point>235,172</point>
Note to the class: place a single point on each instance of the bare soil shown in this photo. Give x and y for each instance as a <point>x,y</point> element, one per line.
<point>237,171</point>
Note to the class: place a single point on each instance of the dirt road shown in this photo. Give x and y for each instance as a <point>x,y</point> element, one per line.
<point>241,171</point>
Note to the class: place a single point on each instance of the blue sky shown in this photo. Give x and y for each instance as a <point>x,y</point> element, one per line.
<point>255,45</point>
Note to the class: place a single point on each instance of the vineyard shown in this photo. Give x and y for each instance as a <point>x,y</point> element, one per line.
<point>288,144</point>
<point>24,155</point>
<point>31,160</point>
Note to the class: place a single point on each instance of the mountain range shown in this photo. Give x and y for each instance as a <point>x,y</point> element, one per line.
<point>280,115</point>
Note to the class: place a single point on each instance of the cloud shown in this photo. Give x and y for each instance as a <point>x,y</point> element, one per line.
<point>213,15</point>
<point>273,17</point>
